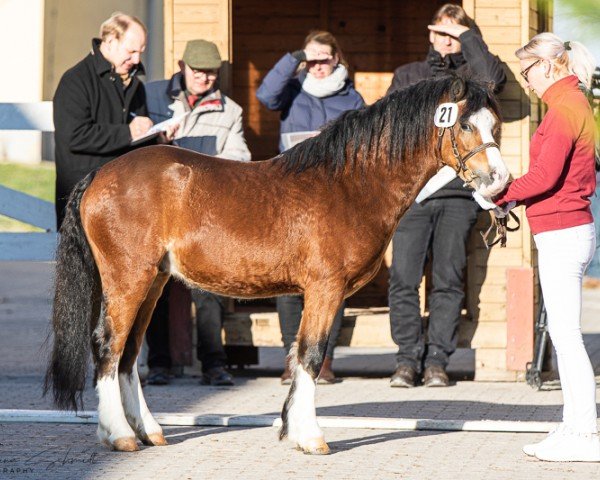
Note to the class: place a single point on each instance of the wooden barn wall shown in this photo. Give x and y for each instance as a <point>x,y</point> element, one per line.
<point>191,19</point>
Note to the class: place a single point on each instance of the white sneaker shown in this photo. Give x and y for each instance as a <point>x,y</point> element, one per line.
<point>553,436</point>
<point>571,447</point>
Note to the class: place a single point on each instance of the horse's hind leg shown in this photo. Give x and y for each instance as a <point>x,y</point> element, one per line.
<point>137,413</point>
<point>124,292</point>
<point>306,357</point>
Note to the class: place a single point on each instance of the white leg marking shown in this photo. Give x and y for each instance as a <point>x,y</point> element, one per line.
<point>302,416</point>
<point>484,121</point>
<point>137,412</point>
<point>112,423</point>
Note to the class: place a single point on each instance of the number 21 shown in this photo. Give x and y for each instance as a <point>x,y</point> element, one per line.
<point>444,111</point>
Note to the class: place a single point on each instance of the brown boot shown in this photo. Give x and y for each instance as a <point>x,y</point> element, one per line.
<point>435,376</point>
<point>326,375</point>
<point>404,377</point>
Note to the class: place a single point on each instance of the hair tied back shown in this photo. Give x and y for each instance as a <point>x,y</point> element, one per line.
<point>567,46</point>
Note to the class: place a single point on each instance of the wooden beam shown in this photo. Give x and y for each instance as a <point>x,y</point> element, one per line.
<point>28,209</point>
<point>31,246</point>
<point>169,37</point>
<point>26,116</point>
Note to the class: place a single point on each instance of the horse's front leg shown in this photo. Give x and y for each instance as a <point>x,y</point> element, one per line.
<point>299,415</point>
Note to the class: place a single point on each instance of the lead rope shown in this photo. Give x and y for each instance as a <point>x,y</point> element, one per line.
<point>502,228</point>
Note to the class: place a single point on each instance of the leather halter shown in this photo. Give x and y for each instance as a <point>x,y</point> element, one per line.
<point>462,161</point>
<point>501,224</point>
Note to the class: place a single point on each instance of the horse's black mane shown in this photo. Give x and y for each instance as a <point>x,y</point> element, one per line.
<point>397,126</point>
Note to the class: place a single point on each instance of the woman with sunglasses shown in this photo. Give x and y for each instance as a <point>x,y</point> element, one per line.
<point>555,192</point>
<point>310,87</point>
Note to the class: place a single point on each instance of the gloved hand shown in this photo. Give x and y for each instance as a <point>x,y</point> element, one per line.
<point>501,212</point>
<point>484,203</point>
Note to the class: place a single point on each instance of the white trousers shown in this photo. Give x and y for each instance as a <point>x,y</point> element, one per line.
<point>563,256</point>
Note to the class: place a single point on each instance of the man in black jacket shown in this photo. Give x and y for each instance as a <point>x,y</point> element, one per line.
<point>100,105</point>
<point>441,223</point>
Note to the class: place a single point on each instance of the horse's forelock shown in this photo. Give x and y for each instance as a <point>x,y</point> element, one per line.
<point>480,96</point>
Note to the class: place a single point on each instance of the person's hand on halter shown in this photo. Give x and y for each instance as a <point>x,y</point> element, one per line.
<point>501,212</point>
<point>453,29</point>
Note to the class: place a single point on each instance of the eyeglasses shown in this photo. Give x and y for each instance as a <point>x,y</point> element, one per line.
<point>319,62</point>
<point>210,74</point>
<point>525,73</point>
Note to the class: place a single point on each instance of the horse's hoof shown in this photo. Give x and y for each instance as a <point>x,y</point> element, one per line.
<point>155,439</point>
<point>315,446</point>
<point>125,444</point>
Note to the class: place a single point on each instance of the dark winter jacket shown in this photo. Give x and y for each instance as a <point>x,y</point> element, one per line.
<point>282,90</point>
<point>474,59</point>
<point>91,116</point>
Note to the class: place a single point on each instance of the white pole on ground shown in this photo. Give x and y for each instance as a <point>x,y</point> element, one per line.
<point>173,419</point>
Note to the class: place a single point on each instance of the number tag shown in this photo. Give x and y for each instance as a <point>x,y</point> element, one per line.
<point>445,115</point>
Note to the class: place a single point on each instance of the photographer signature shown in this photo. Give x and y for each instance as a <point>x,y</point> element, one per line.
<point>41,458</point>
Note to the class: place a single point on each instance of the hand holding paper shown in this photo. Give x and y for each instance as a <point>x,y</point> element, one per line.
<point>168,126</point>
<point>139,127</point>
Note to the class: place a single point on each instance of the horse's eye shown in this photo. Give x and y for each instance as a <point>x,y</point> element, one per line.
<point>466,127</point>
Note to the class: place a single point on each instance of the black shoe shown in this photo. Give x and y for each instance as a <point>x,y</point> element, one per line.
<point>158,376</point>
<point>403,377</point>
<point>217,376</point>
<point>435,376</point>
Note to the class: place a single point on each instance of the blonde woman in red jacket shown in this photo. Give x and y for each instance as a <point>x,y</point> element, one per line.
<point>556,192</point>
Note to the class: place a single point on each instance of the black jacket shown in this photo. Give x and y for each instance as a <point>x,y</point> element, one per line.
<point>91,116</point>
<point>475,60</point>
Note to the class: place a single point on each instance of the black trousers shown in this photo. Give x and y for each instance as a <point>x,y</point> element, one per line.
<point>441,226</point>
<point>210,310</point>
<point>157,333</point>
<point>289,309</point>
<point>209,322</point>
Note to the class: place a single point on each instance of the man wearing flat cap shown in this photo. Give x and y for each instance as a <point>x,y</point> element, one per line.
<point>213,126</point>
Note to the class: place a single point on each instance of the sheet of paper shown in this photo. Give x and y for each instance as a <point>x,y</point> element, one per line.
<point>160,127</point>
<point>294,138</point>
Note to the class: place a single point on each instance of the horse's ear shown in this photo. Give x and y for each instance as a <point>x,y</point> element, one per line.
<point>458,89</point>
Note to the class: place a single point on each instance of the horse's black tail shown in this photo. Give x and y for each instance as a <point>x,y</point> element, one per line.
<point>77,294</point>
